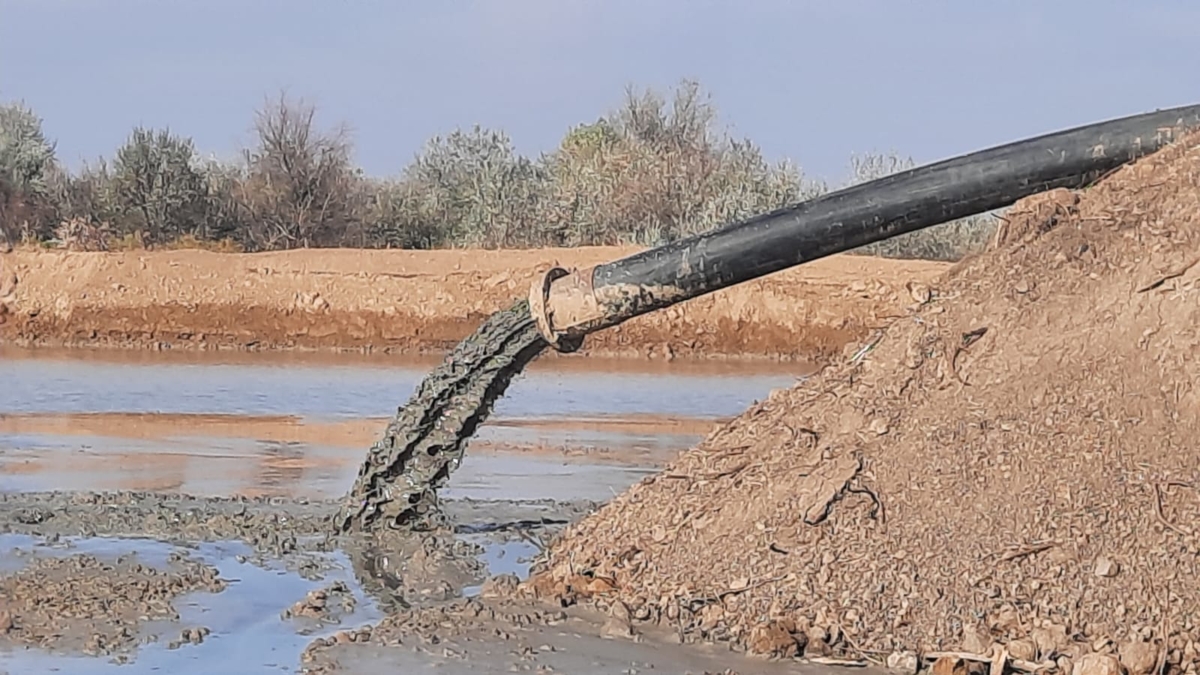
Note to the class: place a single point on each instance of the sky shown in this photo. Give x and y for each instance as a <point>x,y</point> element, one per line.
<point>811,81</point>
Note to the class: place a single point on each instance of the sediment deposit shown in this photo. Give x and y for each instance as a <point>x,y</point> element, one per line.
<point>1012,463</point>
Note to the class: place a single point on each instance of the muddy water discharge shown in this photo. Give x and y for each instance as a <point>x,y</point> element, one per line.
<point>396,486</point>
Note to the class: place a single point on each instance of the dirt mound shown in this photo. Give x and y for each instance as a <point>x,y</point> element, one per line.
<point>1011,463</point>
<point>414,301</point>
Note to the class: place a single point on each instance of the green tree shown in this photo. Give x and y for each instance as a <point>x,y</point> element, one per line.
<point>474,185</point>
<point>157,187</point>
<point>26,163</point>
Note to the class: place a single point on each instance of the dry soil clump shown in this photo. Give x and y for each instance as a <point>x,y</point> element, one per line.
<point>1011,463</point>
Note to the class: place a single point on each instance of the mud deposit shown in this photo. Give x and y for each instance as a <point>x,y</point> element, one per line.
<point>292,586</point>
<point>94,605</point>
<point>138,582</point>
<point>424,443</point>
<point>163,581</point>
<point>104,574</point>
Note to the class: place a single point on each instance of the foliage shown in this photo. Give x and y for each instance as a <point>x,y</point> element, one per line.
<point>652,172</point>
<point>26,163</point>
<point>657,168</point>
<point>473,189</point>
<point>300,182</point>
<point>158,192</point>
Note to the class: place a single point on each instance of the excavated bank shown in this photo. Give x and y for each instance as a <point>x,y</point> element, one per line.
<point>399,301</point>
<point>425,441</point>
<point>1011,463</point>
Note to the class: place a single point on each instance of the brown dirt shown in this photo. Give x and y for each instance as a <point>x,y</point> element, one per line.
<point>496,634</point>
<point>412,301</point>
<point>94,605</point>
<point>1013,462</point>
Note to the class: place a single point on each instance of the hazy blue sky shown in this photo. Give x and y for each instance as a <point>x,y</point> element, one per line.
<point>814,81</point>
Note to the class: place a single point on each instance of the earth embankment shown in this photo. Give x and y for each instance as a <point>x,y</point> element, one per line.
<point>416,301</point>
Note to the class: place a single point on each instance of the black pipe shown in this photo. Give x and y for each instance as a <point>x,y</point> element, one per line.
<point>846,219</point>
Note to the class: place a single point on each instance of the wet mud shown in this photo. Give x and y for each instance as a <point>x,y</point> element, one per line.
<point>404,574</point>
<point>497,635</point>
<point>454,598</point>
<point>96,606</point>
<point>424,443</point>
<point>64,591</point>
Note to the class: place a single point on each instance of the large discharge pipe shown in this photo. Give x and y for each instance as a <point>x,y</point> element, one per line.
<point>570,305</point>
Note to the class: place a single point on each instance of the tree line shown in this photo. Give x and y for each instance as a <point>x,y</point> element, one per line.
<point>655,169</point>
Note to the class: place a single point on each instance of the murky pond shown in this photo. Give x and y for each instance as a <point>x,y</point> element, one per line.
<point>297,426</point>
<point>291,426</point>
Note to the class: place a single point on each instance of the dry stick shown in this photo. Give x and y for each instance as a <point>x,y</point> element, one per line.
<point>1162,518</point>
<point>877,513</point>
<point>720,597</point>
<point>1160,661</point>
<point>999,661</point>
<point>1015,553</point>
<point>531,539</point>
<point>1017,664</point>
<point>1170,275</point>
<point>967,340</point>
<point>709,476</point>
<point>829,661</point>
<point>863,655</point>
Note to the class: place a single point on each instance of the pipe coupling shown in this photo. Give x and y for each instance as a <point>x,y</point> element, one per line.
<point>542,311</point>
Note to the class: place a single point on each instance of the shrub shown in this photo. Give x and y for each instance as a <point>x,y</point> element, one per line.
<point>300,184</point>
<point>471,188</point>
<point>652,172</point>
<point>80,234</point>
<point>393,218</point>
<point>159,193</point>
<point>227,217</point>
<point>657,168</point>
<point>26,164</point>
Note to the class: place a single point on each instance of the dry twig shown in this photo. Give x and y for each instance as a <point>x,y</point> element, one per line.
<point>1025,550</point>
<point>1016,664</point>
<point>720,597</point>
<point>1158,506</point>
<point>1170,275</point>
<point>845,663</point>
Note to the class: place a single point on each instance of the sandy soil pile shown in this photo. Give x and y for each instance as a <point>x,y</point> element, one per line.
<point>1014,463</point>
<point>410,301</point>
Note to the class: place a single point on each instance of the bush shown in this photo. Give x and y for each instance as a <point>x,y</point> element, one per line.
<point>227,217</point>
<point>651,173</point>
<point>158,192</point>
<point>471,189</point>
<point>300,184</point>
<point>657,168</point>
<point>394,220</point>
<point>26,166</point>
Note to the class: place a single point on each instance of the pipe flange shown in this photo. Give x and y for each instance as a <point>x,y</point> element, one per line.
<point>539,307</point>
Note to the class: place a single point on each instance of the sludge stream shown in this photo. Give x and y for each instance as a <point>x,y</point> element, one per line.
<point>288,432</point>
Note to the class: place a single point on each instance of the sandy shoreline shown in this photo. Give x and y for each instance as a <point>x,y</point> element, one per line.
<point>415,302</point>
